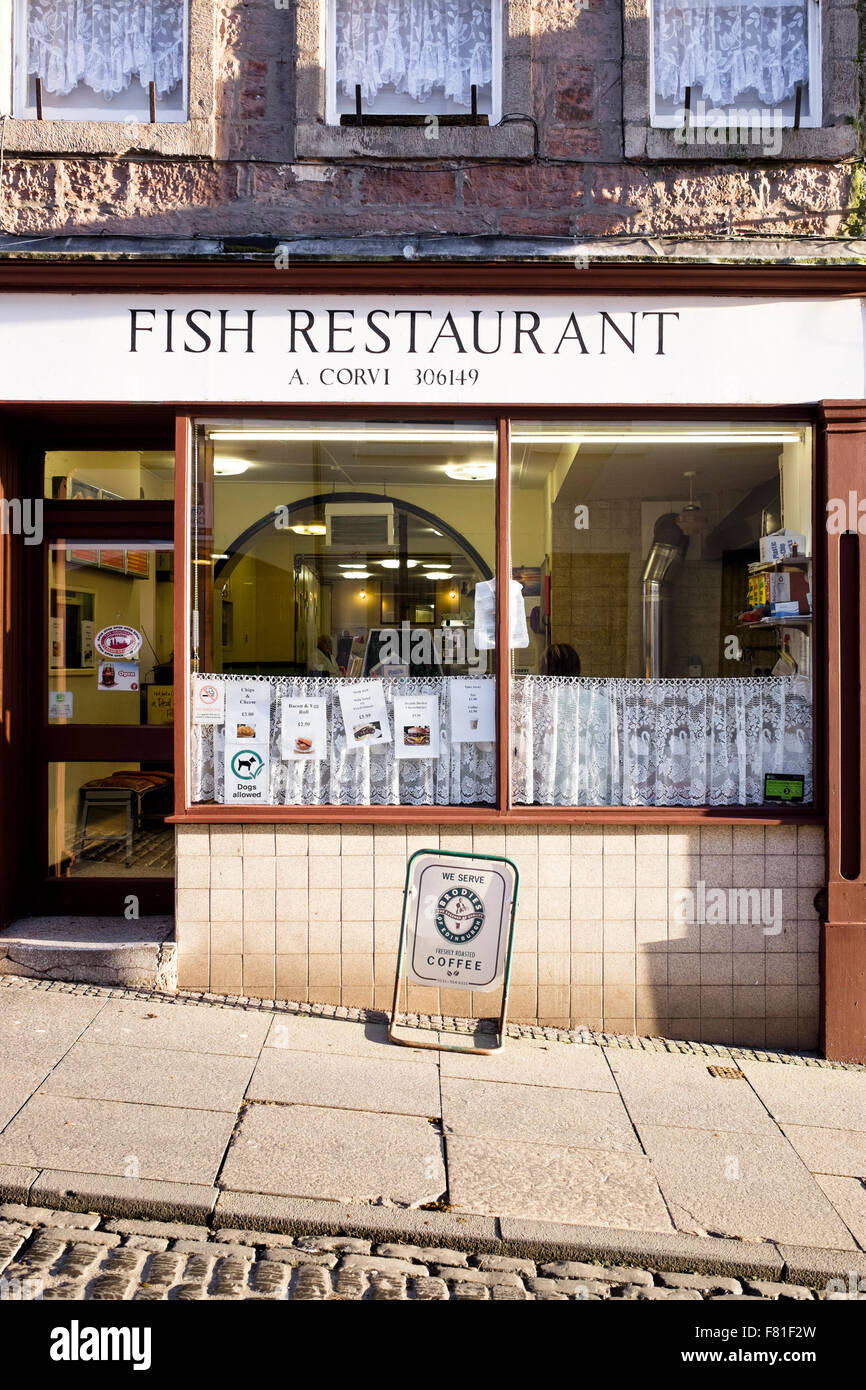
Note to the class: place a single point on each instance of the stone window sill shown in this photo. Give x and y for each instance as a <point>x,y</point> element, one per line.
<point>831,142</point>
<point>186,138</point>
<point>511,140</point>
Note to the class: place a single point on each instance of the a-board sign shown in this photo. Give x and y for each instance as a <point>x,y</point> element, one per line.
<point>458,918</point>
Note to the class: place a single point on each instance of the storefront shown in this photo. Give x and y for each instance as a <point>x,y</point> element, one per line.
<point>300,500</point>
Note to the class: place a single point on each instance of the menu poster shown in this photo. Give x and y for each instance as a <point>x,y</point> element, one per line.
<point>473,710</point>
<point>484,633</point>
<point>88,632</point>
<point>362,705</point>
<point>247,768</point>
<point>416,726</point>
<point>248,712</point>
<point>303,729</point>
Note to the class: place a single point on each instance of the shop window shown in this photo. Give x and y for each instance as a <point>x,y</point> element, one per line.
<point>109,475</point>
<point>662,638</point>
<point>405,63</point>
<point>108,820</point>
<point>101,60</point>
<point>343,614</point>
<point>751,65</point>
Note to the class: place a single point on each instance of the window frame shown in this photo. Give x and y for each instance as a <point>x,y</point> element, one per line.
<point>503,811</point>
<point>333,115</point>
<point>811,122</point>
<point>22,108</point>
<point>318,134</point>
<point>89,131</point>
<point>835,136</point>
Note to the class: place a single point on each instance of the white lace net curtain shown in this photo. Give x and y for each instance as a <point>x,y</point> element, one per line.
<point>417,47</point>
<point>104,44</point>
<point>577,741</point>
<point>730,50</point>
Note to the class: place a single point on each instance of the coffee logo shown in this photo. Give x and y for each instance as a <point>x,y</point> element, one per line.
<point>459,915</point>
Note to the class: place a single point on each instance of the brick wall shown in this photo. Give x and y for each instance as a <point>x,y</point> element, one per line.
<point>313,914</point>
<point>579,186</point>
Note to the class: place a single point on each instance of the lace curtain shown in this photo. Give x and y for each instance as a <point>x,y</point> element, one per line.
<point>730,49</point>
<point>104,44</point>
<point>416,46</point>
<point>576,742</point>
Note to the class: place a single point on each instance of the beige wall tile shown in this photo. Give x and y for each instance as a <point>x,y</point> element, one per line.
<point>781,1001</point>
<point>259,840</point>
<point>554,871</point>
<point>652,1000</point>
<point>524,968</point>
<point>291,976</point>
<point>259,872</point>
<point>618,936</point>
<point>782,1032</point>
<point>356,905</point>
<point>226,840</point>
<point>193,840</point>
<point>780,839</point>
<point>554,936</point>
<point>619,903</point>
<point>324,936</point>
<point>586,969</point>
<point>193,872</point>
<point>226,974</point>
<point>325,905</point>
<point>651,968</point>
<point>618,871</point>
<point>291,840</point>
<point>781,968</point>
<point>191,904</point>
<point>619,839</point>
<point>808,968</point>
<point>553,1005</point>
<point>193,938</point>
<point>226,904</point>
<point>716,870</point>
<point>325,839</point>
<point>651,840</point>
<point>324,970</point>
<point>356,841</point>
<point>586,839</point>
<point>619,1002</point>
<point>749,1032</point>
<point>810,839</point>
<point>554,903</point>
<point>291,937</point>
<point>554,968</point>
<point>749,840</point>
<point>357,971</point>
<point>587,936</point>
<point>357,936</point>
<point>651,871</point>
<point>227,938</point>
<point>750,1001</point>
<point>716,839</point>
<point>260,938</point>
<point>619,968</point>
<point>586,870</point>
<point>325,994</point>
<point>258,974</point>
<point>323,871</point>
<point>292,905</point>
<point>290,871</point>
<point>227,872</point>
<point>749,968</point>
<point>684,1001</point>
<point>717,1001</point>
<point>358,871</point>
<point>259,904</point>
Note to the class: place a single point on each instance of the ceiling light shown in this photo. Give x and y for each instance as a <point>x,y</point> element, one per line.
<point>659,437</point>
<point>218,557</point>
<point>692,520</point>
<point>356,574</point>
<point>355,436</point>
<point>395,564</point>
<point>309,528</point>
<point>230,468</point>
<point>471,472</point>
<point>435,565</point>
<point>438,574</point>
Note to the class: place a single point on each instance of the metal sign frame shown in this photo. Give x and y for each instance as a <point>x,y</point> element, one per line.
<point>401,954</point>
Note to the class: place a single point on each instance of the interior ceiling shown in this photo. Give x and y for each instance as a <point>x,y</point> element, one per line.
<point>372,467</point>
<point>624,471</point>
<point>285,549</point>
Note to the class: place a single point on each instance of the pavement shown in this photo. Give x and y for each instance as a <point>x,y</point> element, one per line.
<point>264,1119</point>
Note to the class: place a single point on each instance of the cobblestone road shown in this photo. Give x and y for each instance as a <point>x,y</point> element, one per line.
<point>66,1255</point>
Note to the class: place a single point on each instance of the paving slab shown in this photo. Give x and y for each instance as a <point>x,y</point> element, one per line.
<point>839,1151</point>
<point>389,1084</point>
<point>310,1033</point>
<point>344,1155</point>
<point>181,1027</point>
<point>16,1182</point>
<point>671,1089</point>
<point>150,1076</point>
<point>113,1196</point>
<point>655,1249</point>
<point>574,1066</point>
<point>39,1027</point>
<point>743,1185</point>
<point>547,1182</point>
<point>817,1096</point>
<point>97,1136</point>
<point>848,1196</point>
<point>533,1114</point>
<point>20,1080</point>
<point>302,1216</point>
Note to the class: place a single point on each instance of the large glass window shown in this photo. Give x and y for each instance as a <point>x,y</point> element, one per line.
<point>343,614</point>
<point>665,614</point>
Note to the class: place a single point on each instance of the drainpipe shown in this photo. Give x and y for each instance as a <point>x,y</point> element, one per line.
<point>668,547</point>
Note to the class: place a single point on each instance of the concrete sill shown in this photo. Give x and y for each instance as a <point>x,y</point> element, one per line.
<point>193,138</point>
<point>513,140</point>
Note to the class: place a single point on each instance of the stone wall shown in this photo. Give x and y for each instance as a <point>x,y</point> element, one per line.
<point>313,914</point>
<point>82,179</point>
